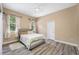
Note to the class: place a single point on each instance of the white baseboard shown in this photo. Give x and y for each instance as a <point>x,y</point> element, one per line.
<point>72,44</point>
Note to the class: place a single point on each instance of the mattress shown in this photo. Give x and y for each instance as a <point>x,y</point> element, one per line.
<point>30,39</point>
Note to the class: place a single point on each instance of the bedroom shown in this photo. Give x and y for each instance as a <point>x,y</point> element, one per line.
<point>37,21</point>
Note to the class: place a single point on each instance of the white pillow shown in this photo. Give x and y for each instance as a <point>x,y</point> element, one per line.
<point>30,32</point>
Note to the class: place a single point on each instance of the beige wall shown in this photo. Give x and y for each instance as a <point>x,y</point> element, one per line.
<point>66,24</point>
<point>24,22</point>
<point>78,22</point>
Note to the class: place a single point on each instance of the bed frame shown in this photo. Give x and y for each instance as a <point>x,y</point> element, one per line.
<point>35,44</point>
<point>22,31</point>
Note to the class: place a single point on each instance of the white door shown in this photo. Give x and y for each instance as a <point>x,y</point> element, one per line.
<point>51,30</point>
<point>1,32</point>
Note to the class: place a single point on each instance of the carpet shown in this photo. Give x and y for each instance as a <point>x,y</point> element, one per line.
<point>15,46</point>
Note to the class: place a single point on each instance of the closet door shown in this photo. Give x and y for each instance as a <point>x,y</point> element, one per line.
<point>51,30</point>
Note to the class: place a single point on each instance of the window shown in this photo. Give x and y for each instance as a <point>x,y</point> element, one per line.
<point>12,23</point>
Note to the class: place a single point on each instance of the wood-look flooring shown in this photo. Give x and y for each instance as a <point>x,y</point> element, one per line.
<point>51,48</point>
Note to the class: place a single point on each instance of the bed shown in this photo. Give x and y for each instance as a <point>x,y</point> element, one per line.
<point>31,40</point>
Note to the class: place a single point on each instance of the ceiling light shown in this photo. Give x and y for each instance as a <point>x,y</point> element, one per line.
<point>36,9</point>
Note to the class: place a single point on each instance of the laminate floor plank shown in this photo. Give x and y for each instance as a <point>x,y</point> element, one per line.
<point>51,48</point>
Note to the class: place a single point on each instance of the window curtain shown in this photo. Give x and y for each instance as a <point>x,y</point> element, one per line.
<point>1,32</point>
<point>33,24</point>
<point>17,25</point>
<point>5,26</point>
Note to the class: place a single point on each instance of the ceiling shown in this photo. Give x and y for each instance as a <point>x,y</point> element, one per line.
<point>37,9</point>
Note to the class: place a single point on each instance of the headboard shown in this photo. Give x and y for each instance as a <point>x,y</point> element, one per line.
<point>23,31</point>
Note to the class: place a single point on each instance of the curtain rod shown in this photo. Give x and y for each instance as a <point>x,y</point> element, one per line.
<point>2,12</point>
<point>12,14</point>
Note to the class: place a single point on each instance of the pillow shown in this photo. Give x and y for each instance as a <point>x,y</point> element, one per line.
<point>22,31</point>
<point>30,32</point>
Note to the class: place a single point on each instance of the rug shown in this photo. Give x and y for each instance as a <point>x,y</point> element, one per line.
<point>15,46</point>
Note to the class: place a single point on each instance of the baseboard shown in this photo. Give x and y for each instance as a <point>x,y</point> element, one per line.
<point>72,44</point>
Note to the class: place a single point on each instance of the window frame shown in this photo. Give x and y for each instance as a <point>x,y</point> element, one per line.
<point>9,30</point>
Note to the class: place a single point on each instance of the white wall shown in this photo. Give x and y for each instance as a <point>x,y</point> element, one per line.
<point>1,33</point>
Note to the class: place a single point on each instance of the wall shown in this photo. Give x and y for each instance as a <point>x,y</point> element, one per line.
<point>24,22</point>
<point>1,29</point>
<point>1,33</point>
<point>66,24</point>
<point>78,22</point>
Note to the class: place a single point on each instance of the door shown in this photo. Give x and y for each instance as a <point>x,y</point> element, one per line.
<point>51,30</point>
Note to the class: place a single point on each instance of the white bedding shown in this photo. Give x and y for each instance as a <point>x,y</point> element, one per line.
<point>27,39</point>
